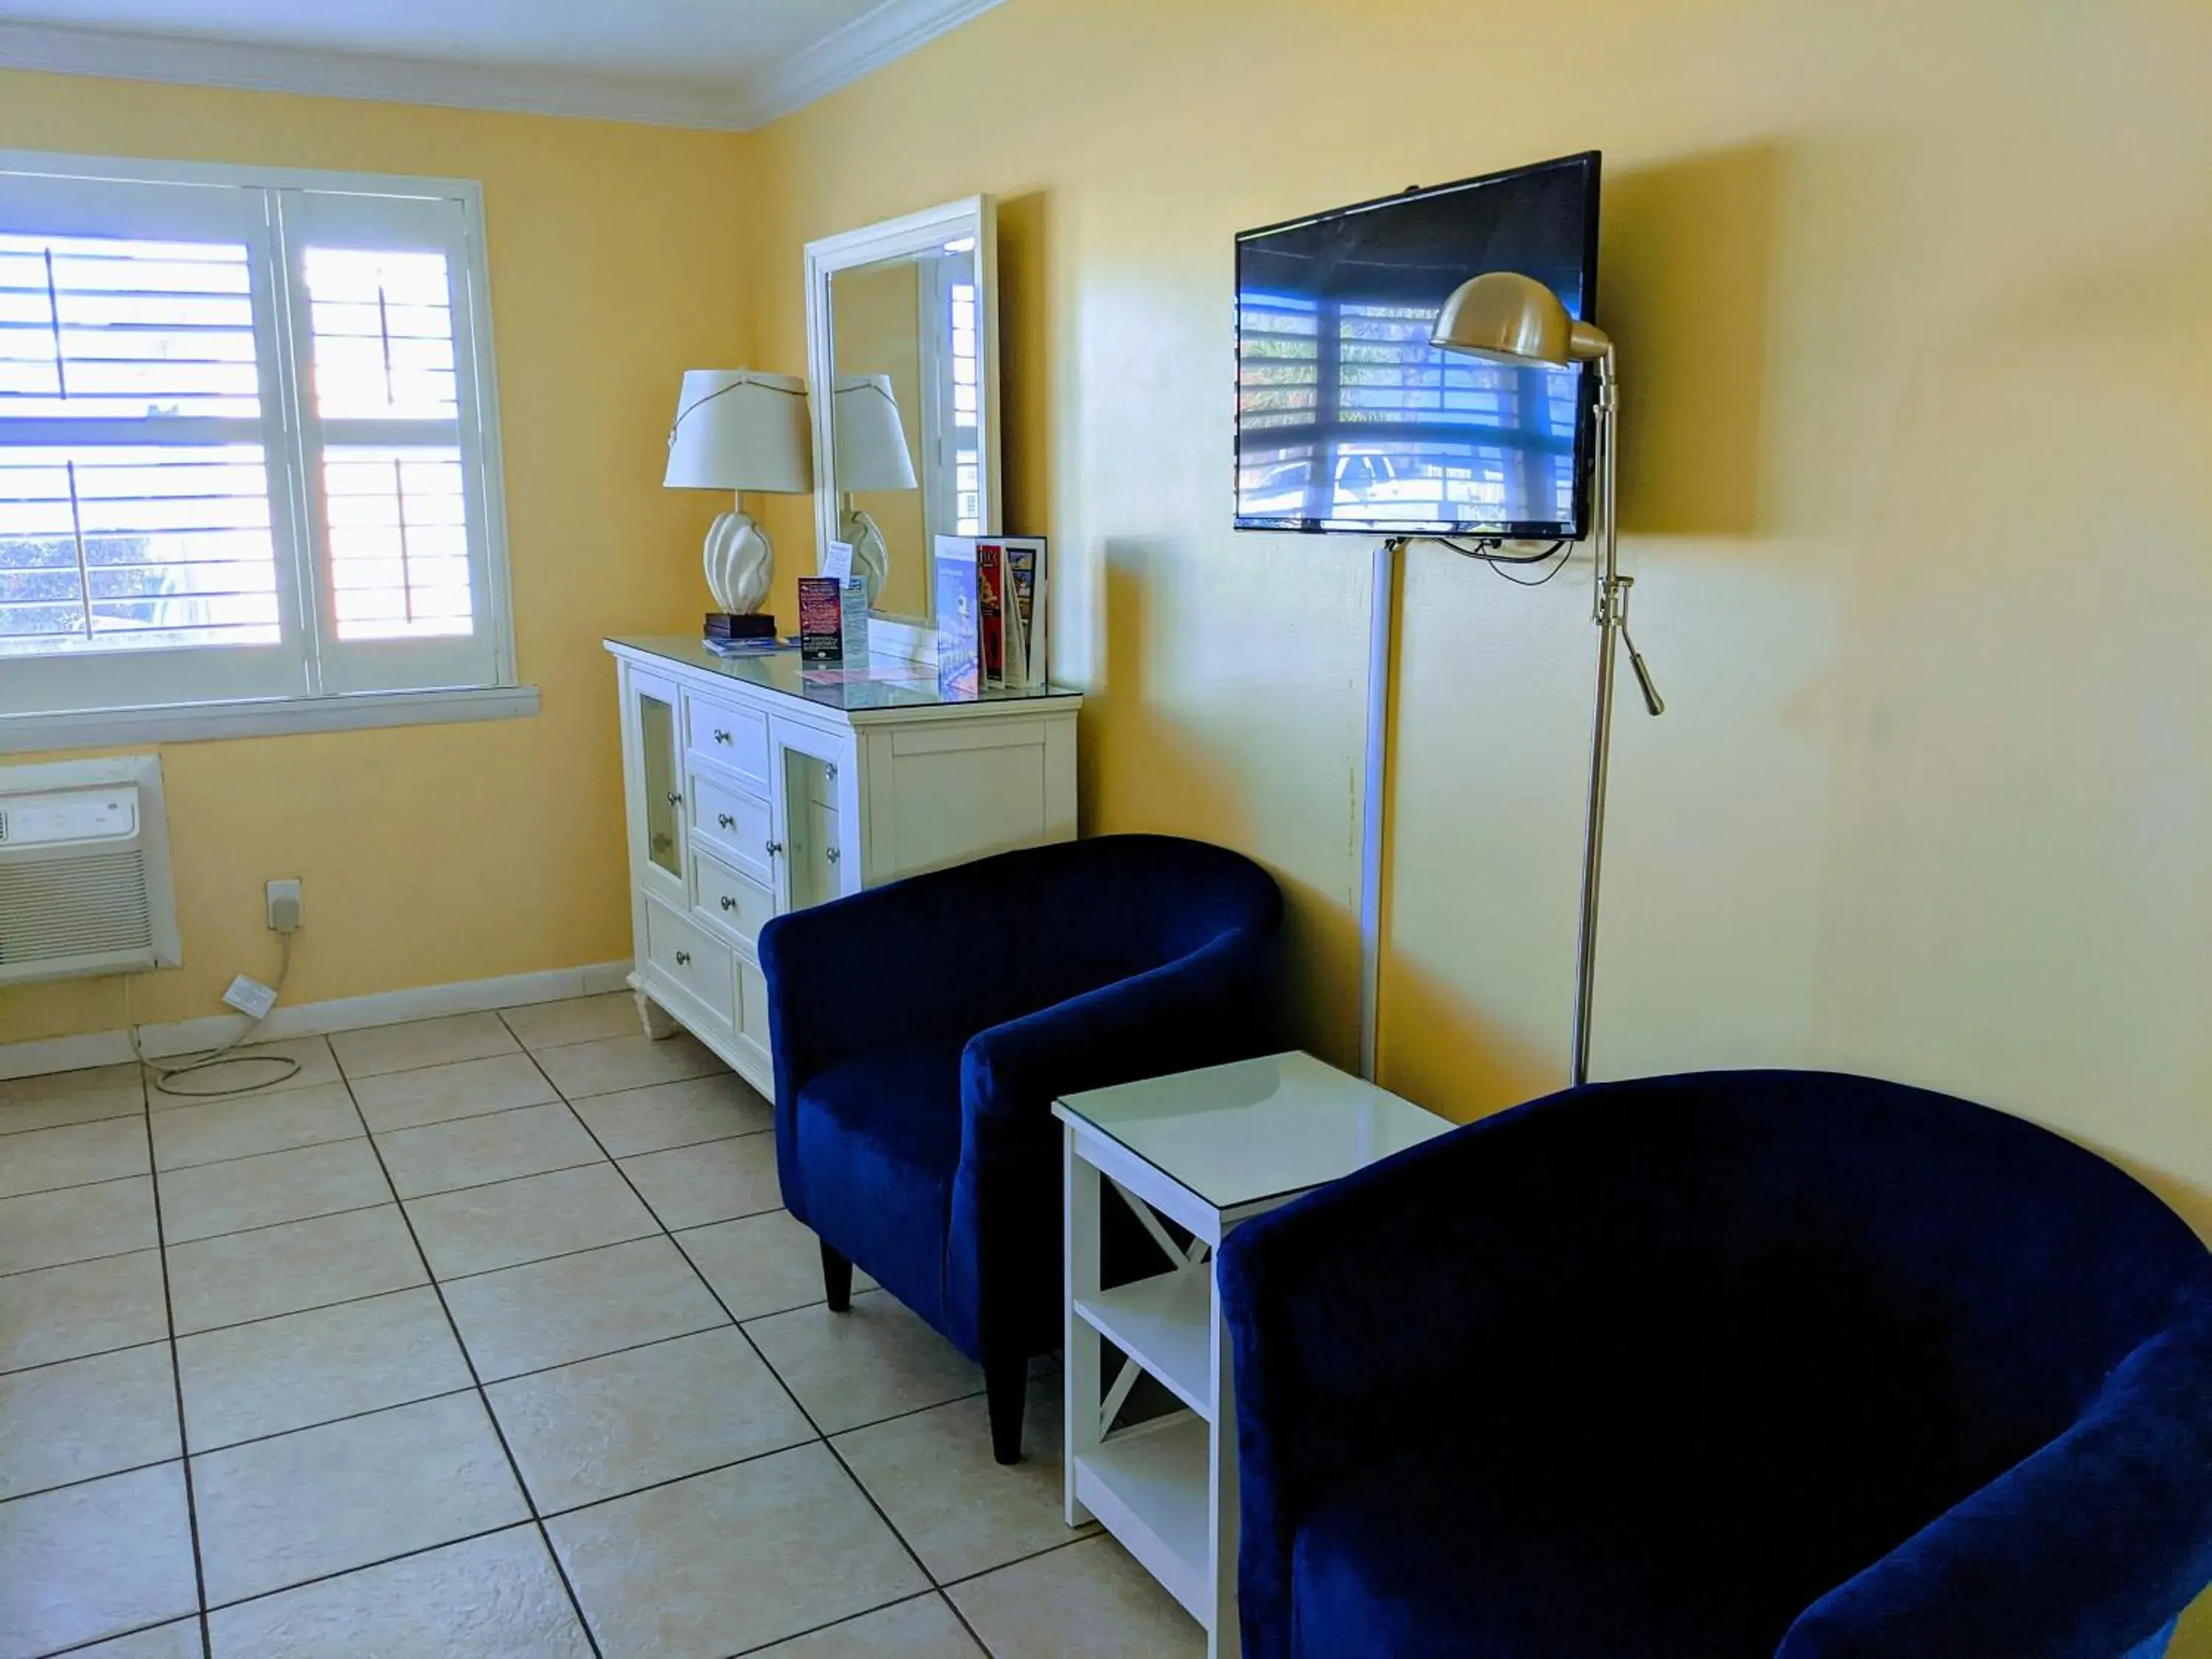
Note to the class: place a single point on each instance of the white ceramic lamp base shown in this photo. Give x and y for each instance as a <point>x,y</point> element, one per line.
<point>740,563</point>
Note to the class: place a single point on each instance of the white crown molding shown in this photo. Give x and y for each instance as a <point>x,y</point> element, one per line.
<point>868,42</point>
<point>200,63</point>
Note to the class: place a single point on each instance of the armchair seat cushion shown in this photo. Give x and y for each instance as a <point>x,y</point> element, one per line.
<point>879,1142</point>
<point>1540,1528</point>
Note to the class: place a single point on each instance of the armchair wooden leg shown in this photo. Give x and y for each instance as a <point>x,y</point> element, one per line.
<point>836,1280</point>
<point>1005,1388</point>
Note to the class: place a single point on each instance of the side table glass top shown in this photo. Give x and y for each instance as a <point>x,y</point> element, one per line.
<point>1256,1129</point>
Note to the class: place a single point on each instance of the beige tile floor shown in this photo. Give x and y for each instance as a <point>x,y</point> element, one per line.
<point>487,1338</point>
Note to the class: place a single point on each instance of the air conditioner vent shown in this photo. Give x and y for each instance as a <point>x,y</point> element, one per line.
<point>91,905</point>
<point>84,870</point>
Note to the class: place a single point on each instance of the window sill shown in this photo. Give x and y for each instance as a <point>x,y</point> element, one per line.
<point>100,728</point>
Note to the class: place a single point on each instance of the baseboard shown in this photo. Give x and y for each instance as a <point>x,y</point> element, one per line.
<point>185,1036</point>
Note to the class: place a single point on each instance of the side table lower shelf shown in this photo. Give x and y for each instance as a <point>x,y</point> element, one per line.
<point>1147,1485</point>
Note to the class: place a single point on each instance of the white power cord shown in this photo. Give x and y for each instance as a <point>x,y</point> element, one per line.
<point>161,1074</point>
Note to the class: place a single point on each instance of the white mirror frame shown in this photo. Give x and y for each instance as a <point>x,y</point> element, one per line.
<point>915,233</point>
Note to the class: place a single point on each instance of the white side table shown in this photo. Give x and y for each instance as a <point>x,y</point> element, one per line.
<point>1206,1150</point>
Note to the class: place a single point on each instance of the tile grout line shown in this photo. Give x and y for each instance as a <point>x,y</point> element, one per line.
<point>445,1394</point>
<point>353,1209</point>
<point>931,1595</point>
<point>77,1649</point>
<point>468,1360</point>
<point>146,1174</point>
<point>155,1168</point>
<point>933,1590</point>
<point>7,1134</point>
<point>177,1386</point>
<point>90,1353</point>
<point>324,1037</point>
<point>519,1376</point>
<point>827,1445</point>
<point>75,1481</point>
<point>80,1261</point>
<point>467,1387</point>
<point>366,1566</point>
<point>396,1290</point>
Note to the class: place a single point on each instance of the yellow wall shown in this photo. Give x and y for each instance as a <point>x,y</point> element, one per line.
<point>440,853</point>
<point>1912,305</point>
<point>1910,301</point>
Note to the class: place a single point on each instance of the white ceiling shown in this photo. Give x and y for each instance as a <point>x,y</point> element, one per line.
<point>727,63</point>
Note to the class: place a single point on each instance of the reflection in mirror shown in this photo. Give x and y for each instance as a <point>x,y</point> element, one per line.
<point>906,454</point>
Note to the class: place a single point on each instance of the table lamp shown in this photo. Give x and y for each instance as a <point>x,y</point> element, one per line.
<point>872,454</point>
<point>736,430</point>
<point>1503,317</point>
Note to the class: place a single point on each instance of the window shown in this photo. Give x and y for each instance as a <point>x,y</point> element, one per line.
<point>952,373</point>
<point>247,445</point>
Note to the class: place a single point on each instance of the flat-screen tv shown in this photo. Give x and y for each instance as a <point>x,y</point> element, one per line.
<point>1348,419</point>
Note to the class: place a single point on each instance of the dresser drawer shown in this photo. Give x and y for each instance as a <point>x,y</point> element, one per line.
<point>731,900</point>
<point>683,954</point>
<point>732,826</point>
<point>730,737</point>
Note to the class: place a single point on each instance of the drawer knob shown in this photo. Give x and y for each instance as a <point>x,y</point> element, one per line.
<point>832,853</point>
<point>682,958</point>
<point>728,904</point>
<point>722,736</point>
<point>726,820</point>
<point>676,797</point>
<point>773,848</point>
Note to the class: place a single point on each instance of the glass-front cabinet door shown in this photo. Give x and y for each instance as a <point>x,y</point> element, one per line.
<point>817,787</point>
<point>658,792</point>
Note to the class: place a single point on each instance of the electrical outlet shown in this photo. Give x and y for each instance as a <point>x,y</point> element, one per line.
<point>285,914</point>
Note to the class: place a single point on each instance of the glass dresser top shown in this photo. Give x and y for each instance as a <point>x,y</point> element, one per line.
<point>1256,1129</point>
<point>884,682</point>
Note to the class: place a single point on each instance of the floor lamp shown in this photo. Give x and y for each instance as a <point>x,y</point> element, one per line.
<point>1506,317</point>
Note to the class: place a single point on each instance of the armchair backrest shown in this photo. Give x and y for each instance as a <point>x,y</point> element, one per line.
<point>1062,919</point>
<point>2006,1267</point>
<point>1865,1275</point>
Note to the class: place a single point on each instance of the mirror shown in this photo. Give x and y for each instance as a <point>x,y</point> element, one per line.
<point>902,327</point>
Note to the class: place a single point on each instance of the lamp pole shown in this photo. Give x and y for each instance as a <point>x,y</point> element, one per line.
<point>1609,610</point>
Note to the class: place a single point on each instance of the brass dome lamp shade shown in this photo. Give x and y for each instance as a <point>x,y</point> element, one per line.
<point>1503,317</point>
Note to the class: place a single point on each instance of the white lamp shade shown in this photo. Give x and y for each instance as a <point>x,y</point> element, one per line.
<point>872,451</point>
<point>736,430</point>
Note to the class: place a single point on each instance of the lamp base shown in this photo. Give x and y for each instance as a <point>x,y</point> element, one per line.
<point>747,625</point>
<point>739,563</point>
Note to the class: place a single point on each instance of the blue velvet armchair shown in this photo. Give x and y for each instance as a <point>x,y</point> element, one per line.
<point>1731,1365</point>
<point>921,1031</point>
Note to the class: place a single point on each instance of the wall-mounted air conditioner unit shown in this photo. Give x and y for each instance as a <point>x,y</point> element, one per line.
<point>84,870</point>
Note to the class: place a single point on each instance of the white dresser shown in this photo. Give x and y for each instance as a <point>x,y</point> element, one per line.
<point>759,785</point>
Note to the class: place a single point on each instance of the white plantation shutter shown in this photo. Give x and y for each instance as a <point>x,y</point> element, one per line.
<point>141,557</point>
<point>383,307</point>
<point>244,442</point>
